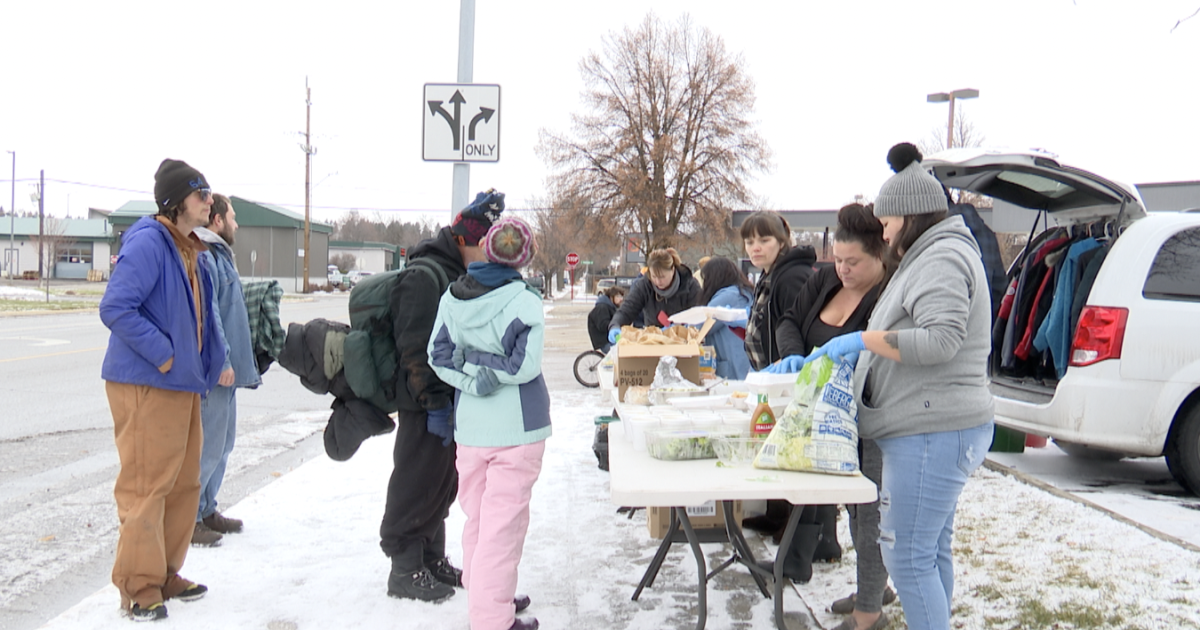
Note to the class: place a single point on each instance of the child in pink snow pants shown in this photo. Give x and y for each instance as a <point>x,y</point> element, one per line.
<point>487,343</point>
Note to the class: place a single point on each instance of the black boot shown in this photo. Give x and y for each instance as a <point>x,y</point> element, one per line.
<point>797,565</point>
<point>775,518</point>
<point>434,557</point>
<point>409,579</point>
<point>828,549</point>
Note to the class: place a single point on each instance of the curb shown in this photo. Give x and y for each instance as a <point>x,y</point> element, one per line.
<point>1042,485</point>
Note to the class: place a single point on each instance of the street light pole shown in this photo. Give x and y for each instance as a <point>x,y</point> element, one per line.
<point>943,97</point>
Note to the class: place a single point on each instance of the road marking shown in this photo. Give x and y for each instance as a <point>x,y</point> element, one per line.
<point>41,341</point>
<point>53,354</point>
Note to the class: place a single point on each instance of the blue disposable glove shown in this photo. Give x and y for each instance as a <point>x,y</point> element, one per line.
<point>440,423</point>
<point>486,381</point>
<point>613,333</point>
<point>787,365</point>
<point>842,349</point>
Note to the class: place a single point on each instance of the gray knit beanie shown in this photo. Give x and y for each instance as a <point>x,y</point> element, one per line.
<point>911,191</point>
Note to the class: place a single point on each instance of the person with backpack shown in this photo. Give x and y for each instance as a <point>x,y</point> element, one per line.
<point>424,482</point>
<point>487,342</point>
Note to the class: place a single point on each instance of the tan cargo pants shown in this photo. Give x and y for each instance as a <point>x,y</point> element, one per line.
<point>158,436</point>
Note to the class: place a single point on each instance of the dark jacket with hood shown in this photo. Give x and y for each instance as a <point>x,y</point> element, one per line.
<point>598,320</point>
<point>793,334</point>
<point>655,308</point>
<point>414,307</point>
<point>774,294</point>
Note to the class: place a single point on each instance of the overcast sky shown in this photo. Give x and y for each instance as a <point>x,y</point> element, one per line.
<point>99,93</point>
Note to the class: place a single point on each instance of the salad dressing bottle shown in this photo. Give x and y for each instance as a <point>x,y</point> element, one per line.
<point>763,419</point>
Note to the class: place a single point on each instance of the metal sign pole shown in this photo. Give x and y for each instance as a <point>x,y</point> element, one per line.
<point>466,73</point>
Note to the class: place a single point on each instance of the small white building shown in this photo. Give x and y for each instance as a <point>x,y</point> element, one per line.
<point>70,247</point>
<point>368,255</point>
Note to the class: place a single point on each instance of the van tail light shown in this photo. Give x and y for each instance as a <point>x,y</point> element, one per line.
<point>1099,336</point>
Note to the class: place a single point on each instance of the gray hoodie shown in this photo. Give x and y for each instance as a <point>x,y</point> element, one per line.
<point>938,301</point>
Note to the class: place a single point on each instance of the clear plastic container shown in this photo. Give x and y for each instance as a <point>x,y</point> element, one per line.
<point>639,427</point>
<point>679,445</point>
<point>736,451</point>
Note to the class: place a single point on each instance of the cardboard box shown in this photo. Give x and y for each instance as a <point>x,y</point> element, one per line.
<point>637,362</point>
<point>707,516</point>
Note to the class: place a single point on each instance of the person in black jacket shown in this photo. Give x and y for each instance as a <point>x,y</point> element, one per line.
<point>839,300</point>
<point>607,304</point>
<point>785,269</point>
<point>667,288</point>
<point>424,481</point>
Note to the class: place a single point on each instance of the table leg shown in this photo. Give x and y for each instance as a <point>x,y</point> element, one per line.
<point>741,549</point>
<point>659,557</point>
<point>780,554</point>
<point>702,569</point>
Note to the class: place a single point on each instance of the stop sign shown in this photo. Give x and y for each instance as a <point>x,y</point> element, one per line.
<point>572,260</point>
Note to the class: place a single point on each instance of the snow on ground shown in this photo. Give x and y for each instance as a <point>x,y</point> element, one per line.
<point>20,293</point>
<point>310,559</point>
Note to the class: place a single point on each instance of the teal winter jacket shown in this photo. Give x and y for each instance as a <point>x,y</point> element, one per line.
<point>502,328</point>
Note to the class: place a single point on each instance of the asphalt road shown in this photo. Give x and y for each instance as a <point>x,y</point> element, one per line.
<point>58,461</point>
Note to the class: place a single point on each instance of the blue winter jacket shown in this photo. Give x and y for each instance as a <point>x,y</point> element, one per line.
<point>501,328</point>
<point>149,308</point>
<point>732,361</point>
<point>233,322</point>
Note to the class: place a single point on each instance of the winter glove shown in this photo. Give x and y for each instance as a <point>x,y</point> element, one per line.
<point>458,357</point>
<point>613,333</point>
<point>842,349</point>
<point>787,365</point>
<point>439,423</point>
<point>486,381</point>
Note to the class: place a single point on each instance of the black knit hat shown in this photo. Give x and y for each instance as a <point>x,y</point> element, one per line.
<point>475,220</point>
<point>174,181</point>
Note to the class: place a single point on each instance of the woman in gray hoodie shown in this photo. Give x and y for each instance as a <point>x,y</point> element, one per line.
<point>921,387</point>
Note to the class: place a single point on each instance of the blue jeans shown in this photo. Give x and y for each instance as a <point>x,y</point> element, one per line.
<point>218,416</point>
<point>922,477</point>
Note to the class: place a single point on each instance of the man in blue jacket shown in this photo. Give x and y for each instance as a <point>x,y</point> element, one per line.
<point>163,354</point>
<point>218,411</point>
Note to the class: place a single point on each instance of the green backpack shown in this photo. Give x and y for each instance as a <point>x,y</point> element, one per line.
<point>370,348</point>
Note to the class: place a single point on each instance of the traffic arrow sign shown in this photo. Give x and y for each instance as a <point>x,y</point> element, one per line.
<point>461,122</point>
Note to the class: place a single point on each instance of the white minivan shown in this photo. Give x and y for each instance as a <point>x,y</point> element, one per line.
<point>1129,382</point>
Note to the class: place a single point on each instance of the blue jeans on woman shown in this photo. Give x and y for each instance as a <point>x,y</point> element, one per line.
<point>923,475</point>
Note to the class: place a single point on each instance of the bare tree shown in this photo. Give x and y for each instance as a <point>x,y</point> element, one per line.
<point>344,261</point>
<point>52,241</point>
<point>667,143</point>
<point>965,135</point>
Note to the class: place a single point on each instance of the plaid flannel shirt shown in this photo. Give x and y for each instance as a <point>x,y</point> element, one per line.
<point>262,305</point>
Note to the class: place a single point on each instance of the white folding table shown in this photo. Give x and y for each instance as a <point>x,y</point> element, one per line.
<point>636,479</point>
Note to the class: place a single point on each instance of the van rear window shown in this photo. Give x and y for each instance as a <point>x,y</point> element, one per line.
<point>1175,274</point>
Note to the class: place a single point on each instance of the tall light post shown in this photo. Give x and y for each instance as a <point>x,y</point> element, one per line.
<point>942,97</point>
<point>12,213</point>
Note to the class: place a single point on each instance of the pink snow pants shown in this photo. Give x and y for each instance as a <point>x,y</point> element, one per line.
<point>494,487</point>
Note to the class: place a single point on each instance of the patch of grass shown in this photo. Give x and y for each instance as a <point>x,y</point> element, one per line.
<point>39,305</point>
<point>1004,571</point>
<point>1032,613</point>
<point>989,592</point>
<point>90,292</point>
<point>1074,575</point>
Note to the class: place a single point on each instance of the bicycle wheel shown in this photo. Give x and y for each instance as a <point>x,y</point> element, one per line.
<point>587,366</point>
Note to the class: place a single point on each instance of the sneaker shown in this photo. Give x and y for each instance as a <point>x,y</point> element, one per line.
<point>445,572</point>
<point>192,593</point>
<point>202,536</point>
<point>420,585</point>
<point>222,524</point>
<point>524,623</point>
<point>845,605</point>
<point>153,612</point>
<point>849,624</point>
<point>521,602</point>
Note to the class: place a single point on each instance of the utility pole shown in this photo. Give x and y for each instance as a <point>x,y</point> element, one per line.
<point>308,153</point>
<point>460,187</point>
<point>41,220</point>
<point>12,214</point>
